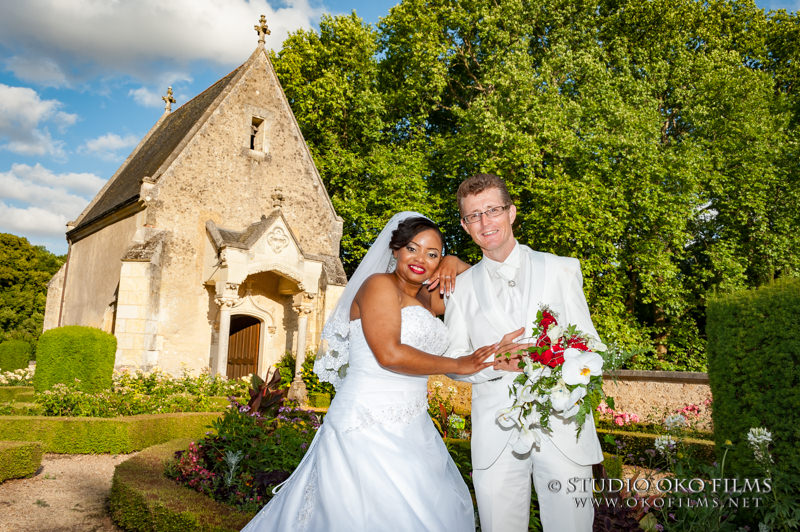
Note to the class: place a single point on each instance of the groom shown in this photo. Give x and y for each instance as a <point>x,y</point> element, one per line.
<point>500,294</point>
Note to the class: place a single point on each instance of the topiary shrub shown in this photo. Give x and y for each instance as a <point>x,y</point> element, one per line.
<point>754,371</point>
<point>14,354</point>
<point>68,353</point>
<point>19,459</point>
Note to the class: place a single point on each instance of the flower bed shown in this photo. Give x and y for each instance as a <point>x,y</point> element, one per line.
<point>142,498</point>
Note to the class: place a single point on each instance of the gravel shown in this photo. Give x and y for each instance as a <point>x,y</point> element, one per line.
<point>68,493</point>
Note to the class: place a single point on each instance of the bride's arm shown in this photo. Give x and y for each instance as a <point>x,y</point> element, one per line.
<point>379,308</point>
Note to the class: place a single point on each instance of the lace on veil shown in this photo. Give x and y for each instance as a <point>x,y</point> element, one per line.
<point>334,349</point>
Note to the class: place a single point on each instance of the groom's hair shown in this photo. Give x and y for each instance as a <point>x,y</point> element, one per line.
<point>480,182</point>
<point>409,228</point>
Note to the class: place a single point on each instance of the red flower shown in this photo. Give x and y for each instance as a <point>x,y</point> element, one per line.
<point>577,343</point>
<point>547,320</point>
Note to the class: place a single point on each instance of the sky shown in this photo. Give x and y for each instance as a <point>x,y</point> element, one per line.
<point>81,83</point>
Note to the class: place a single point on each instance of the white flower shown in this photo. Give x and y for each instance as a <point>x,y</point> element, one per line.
<point>527,395</point>
<point>565,401</point>
<point>664,445</point>
<point>523,440</point>
<point>579,366</point>
<point>759,439</point>
<point>554,332</point>
<point>507,417</point>
<point>759,436</point>
<point>596,345</point>
<point>535,370</point>
<point>674,421</point>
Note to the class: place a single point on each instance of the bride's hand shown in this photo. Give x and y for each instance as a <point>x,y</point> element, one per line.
<point>469,364</point>
<point>445,275</point>
<point>509,353</point>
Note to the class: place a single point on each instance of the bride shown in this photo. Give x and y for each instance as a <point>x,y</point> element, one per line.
<point>377,462</point>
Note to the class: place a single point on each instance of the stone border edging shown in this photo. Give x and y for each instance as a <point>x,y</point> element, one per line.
<point>688,377</point>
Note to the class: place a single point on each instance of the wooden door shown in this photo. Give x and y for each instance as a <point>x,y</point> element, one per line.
<point>243,346</point>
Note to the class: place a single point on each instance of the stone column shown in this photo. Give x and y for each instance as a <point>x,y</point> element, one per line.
<point>303,307</point>
<point>226,301</point>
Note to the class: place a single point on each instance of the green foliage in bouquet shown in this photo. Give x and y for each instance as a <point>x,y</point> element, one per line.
<point>14,354</point>
<point>66,354</point>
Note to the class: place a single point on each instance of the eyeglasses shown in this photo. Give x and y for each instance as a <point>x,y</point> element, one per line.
<point>493,212</point>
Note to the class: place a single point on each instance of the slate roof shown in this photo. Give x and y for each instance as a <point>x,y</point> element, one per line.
<point>151,154</point>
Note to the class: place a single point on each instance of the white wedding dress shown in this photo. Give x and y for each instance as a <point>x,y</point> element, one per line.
<point>377,463</point>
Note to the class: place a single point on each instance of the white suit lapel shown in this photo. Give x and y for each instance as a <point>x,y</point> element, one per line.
<point>533,270</point>
<point>490,307</point>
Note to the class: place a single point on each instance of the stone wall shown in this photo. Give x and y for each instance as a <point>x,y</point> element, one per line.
<point>650,394</point>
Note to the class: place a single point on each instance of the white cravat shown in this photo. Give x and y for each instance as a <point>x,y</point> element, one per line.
<point>507,284</point>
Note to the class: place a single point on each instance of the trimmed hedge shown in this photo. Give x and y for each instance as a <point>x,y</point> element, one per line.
<point>90,435</point>
<point>754,370</point>
<point>637,443</point>
<point>143,499</point>
<point>14,354</point>
<point>74,352</point>
<point>19,459</point>
<point>16,393</point>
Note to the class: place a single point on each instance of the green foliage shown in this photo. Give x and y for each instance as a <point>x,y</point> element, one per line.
<point>14,354</point>
<point>25,271</point>
<point>286,367</point>
<point>66,354</point>
<point>754,368</point>
<point>248,455</point>
<point>754,361</point>
<point>104,435</point>
<point>19,459</point>
<point>655,141</point>
<point>16,393</point>
<point>143,499</point>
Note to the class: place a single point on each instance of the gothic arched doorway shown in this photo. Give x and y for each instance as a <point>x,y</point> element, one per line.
<point>243,346</point>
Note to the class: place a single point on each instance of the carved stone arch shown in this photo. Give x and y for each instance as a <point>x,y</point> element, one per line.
<point>248,306</point>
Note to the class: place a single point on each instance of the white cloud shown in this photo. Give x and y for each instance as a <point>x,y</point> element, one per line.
<point>82,39</point>
<point>23,115</point>
<point>152,97</point>
<point>40,70</point>
<point>36,201</point>
<point>107,146</point>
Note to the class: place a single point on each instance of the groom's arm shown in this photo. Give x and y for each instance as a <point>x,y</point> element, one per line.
<point>577,310</point>
<point>460,344</point>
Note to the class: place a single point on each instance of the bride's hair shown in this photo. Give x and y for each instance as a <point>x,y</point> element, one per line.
<point>409,228</point>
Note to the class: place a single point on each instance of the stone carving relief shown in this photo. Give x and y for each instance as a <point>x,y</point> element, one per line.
<point>278,240</point>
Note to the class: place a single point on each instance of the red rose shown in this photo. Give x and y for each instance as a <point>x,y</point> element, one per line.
<point>547,320</point>
<point>577,343</point>
<point>556,356</point>
<point>543,340</point>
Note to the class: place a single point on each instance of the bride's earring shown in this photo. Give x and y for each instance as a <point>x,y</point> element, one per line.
<point>392,264</point>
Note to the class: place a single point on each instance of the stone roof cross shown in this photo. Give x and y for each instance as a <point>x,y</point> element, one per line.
<point>168,100</point>
<point>262,29</point>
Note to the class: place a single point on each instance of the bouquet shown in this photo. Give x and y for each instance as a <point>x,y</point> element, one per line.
<point>562,375</point>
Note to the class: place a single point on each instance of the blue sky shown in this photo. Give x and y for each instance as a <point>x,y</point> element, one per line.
<point>81,83</point>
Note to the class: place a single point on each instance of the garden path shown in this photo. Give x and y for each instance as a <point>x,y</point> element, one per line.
<point>68,494</point>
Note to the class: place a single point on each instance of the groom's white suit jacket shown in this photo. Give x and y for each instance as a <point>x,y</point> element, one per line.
<point>475,318</point>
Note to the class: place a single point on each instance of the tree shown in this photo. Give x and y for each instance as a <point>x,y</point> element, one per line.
<point>655,141</point>
<point>25,271</point>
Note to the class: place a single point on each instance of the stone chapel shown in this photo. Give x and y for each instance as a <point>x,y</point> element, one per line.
<point>215,245</point>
